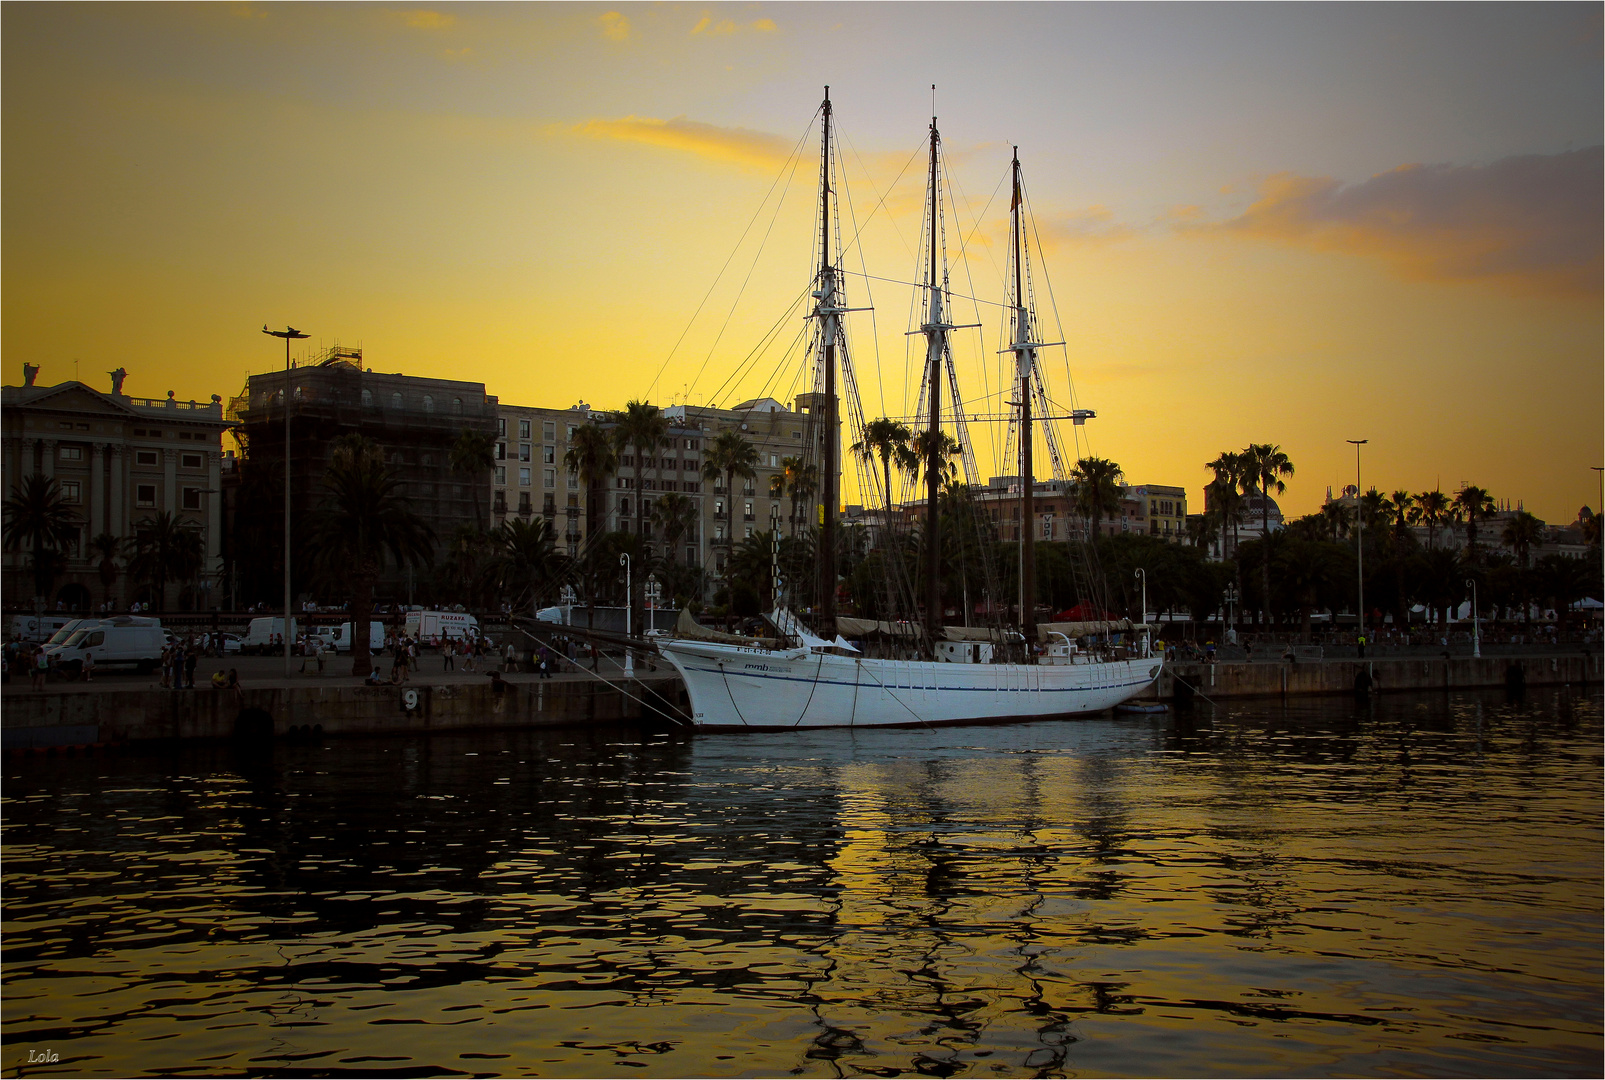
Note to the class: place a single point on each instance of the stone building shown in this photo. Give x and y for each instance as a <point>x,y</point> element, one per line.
<point>117,460</point>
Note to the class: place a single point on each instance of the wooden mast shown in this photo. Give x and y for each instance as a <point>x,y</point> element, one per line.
<point>935,346</point>
<point>828,312</point>
<point>1024,362</point>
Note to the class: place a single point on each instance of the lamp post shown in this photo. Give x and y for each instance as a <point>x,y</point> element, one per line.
<point>629,657</point>
<point>1230,596</point>
<point>1142,575</point>
<point>288,334</point>
<point>1476,623</point>
<point>1359,530</point>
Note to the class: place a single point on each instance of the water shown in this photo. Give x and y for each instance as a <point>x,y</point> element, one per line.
<point>1411,886</point>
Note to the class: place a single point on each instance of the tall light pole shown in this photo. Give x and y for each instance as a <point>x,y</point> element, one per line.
<point>1359,529</point>
<point>629,657</point>
<point>1142,575</point>
<point>1476,623</point>
<point>288,333</point>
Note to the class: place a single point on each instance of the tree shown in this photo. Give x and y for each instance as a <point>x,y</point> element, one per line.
<point>729,455</point>
<point>1473,504</point>
<point>1224,495</point>
<point>1432,507</point>
<point>528,564</point>
<point>37,513</point>
<point>1097,482</point>
<point>591,454</point>
<point>1336,518</point>
<point>797,479</point>
<point>363,518</point>
<point>108,547</point>
<point>474,455</point>
<point>164,550</point>
<point>1264,465</point>
<point>642,428</point>
<point>676,515</point>
<point>934,452</point>
<point>890,441</point>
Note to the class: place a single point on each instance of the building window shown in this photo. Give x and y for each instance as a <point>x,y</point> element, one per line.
<point>549,430</point>
<point>144,457</point>
<point>71,491</point>
<point>501,427</point>
<point>190,461</point>
<point>499,503</point>
<point>746,514</point>
<point>456,406</point>
<point>624,507</point>
<point>549,479</point>
<point>690,556</point>
<point>501,451</point>
<point>549,454</point>
<point>524,452</point>
<point>573,482</point>
<point>691,444</point>
<point>501,474</point>
<point>718,508</point>
<point>548,504</point>
<point>367,399</point>
<point>774,461</point>
<point>72,453</point>
<point>429,404</point>
<point>693,487</point>
<point>523,429</point>
<point>192,498</point>
<point>145,494</point>
<point>718,530</point>
<point>395,401</point>
<point>523,503</point>
<point>749,532</point>
<point>523,478</point>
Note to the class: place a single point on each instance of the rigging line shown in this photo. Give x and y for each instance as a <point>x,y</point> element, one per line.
<point>880,199</point>
<point>955,190</point>
<point>922,285</point>
<point>852,214</point>
<point>731,257</point>
<point>744,281</point>
<point>1053,304</point>
<point>761,347</point>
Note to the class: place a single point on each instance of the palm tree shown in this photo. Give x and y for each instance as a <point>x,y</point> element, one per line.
<point>1589,522</point>
<point>676,515</point>
<point>729,455</point>
<point>164,550</point>
<point>644,429</point>
<point>363,518</point>
<point>1432,507</point>
<point>1224,494</point>
<point>1473,504</point>
<point>796,478</point>
<point>474,455</point>
<point>1264,466</point>
<point>1097,483</point>
<point>527,562</point>
<point>889,440</point>
<point>1337,518</point>
<point>592,455</point>
<point>108,547</point>
<point>37,513</point>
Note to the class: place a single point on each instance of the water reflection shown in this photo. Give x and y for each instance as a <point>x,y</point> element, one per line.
<point>1405,884</point>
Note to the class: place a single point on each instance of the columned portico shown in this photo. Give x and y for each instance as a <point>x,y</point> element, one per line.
<point>97,490</point>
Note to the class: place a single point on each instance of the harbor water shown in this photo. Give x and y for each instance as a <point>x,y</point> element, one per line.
<point>1409,885</point>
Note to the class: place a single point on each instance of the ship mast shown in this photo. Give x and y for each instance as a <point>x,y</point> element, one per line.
<point>1024,350</point>
<point>935,330</point>
<point>828,311</point>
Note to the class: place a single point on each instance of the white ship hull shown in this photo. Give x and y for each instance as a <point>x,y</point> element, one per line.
<point>734,687</point>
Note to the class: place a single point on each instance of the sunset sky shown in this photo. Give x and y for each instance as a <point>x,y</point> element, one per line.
<point>1261,223</point>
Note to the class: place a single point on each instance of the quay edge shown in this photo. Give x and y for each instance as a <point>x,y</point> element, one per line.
<point>1389,674</point>
<point>39,720</point>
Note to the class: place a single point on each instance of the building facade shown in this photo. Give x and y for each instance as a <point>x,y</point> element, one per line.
<point>117,461</point>
<point>415,420</point>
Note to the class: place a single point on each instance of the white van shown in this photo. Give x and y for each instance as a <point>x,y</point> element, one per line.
<point>264,636</point>
<point>434,625</point>
<point>341,639</point>
<point>140,646</point>
<point>38,627</point>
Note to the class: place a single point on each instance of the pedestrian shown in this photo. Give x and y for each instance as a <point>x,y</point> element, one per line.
<point>545,663</point>
<point>468,656</point>
<point>89,667</point>
<point>191,658</point>
<point>1361,642</point>
<point>509,658</point>
<point>448,657</point>
<point>41,665</point>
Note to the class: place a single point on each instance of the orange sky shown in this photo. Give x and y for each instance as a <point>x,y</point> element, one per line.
<point>1296,225</point>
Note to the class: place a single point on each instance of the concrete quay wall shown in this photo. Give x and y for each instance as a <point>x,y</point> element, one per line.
<point>1217,681</point>
<point>79,718</point>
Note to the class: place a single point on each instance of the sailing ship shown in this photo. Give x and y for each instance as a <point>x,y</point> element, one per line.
<point>800,678</point>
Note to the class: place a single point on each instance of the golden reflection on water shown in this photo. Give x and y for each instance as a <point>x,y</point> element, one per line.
<point>1410,886</point>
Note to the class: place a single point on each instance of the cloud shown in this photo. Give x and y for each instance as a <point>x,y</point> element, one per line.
<point>724,27</point>
<point>1093,225</point>
<point>428,20</point>
<point>1531,222</point>
<point>615,26</point>
<point>739,145</point>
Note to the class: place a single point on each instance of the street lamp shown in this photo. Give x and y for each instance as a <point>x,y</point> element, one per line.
<point>1476,623</point>
<point>288,333</point>
<point>1359,530</point>
<point>1230,596</point>
<point>629,657</point>
<point>1142,575</point>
